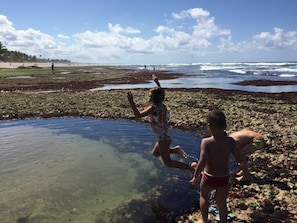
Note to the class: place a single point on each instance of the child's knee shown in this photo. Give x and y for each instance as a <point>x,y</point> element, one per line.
<point>156,153</point>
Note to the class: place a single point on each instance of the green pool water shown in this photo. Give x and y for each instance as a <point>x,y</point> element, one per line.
<point>85,170</point>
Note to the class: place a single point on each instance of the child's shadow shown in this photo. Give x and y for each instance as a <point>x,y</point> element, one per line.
<point>257,180</point>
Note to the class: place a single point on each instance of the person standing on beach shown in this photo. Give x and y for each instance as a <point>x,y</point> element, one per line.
<point>159,116</point>
<point>247,142</point>
<point>53,68</point>
<point>213,165</point>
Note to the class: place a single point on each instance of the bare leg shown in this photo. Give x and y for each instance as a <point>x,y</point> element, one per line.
<point>221,196</point>
<point>155,151</point>
<point>204,196</point>
<point>164,150</point>
<point>177,150</point>
<point>244,174</point>
<point>248,149</point>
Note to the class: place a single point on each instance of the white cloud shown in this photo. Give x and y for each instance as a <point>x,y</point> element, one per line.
<point>264,41</point>
<point>278,39</point>
<point>205,25</point>
<point>196,13</point>
<point>118,29</point>
<point>120,44</point>
<point>228,46</point>
<point>5,23</point>
<point>30,41</point>
<point>63,36</point>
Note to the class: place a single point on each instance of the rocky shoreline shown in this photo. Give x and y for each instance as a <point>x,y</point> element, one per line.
<point>270,197</point>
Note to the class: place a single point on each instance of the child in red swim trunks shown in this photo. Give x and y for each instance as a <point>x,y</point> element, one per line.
<point>213,161</point>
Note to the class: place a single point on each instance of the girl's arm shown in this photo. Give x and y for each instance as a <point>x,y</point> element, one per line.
<point>136,112</point>
<point>155,78</point>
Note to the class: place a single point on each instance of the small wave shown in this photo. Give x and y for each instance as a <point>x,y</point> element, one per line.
<point>293,70</point>
<point>288,75</point>
<point>238,71</point>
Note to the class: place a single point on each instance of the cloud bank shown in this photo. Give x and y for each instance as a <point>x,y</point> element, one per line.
<point>201,41</point>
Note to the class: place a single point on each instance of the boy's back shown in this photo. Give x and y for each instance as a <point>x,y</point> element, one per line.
<point>245,136</point>
<point>218,150</point>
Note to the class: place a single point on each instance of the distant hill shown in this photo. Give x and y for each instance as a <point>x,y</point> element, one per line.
<point>16,56</point>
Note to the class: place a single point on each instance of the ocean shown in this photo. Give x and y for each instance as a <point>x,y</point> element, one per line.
<point>222,76</point>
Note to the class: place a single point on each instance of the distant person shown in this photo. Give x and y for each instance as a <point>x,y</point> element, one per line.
<point>213,165</point>
<point>159,116</point>
<point>247,142</point>
<point>53,68</point>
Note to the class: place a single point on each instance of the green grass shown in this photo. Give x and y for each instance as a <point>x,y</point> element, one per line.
<point>14,77</point>
<point>28,71</point>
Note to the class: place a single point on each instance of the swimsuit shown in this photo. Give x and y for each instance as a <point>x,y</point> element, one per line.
<point>159,122</point>
<point>258,144</point>
<point>214,182</point>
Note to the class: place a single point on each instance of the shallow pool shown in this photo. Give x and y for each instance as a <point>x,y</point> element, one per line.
<point>88,170</point>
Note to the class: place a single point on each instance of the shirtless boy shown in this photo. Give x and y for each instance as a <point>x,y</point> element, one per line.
<point>247,142</point>
<point>213,162</point>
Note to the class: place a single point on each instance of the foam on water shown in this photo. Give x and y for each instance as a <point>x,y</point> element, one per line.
<point>222,76</point>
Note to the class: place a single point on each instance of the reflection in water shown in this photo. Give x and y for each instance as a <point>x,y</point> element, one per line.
<point>86,170</point>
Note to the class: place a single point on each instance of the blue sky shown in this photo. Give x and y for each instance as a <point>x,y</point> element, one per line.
<point>151,32</point>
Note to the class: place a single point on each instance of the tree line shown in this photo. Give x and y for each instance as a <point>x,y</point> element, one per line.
<point>16,56</point>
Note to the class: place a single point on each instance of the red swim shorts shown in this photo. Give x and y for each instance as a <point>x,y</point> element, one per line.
<point>214,181</point>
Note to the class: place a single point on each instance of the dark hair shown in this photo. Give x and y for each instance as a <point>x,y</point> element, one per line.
<point>157,95</point>
<point>217,119</point>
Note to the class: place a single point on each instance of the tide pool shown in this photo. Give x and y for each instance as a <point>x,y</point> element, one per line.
<point>88,170</point>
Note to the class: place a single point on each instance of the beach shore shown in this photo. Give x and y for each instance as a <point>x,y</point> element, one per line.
<point>270,197</point>
<point>26,64</point>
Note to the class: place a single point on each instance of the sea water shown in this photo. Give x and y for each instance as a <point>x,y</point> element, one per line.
<point>222,76</point>
<point>87,170</point>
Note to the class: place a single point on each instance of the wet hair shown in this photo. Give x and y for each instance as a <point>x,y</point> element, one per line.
<point>217,119</point>
<point>157,95</point>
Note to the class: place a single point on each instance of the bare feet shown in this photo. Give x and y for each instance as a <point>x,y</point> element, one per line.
<point>178,150</point>
<point>193,165</point>
<point>240,173</point>
<point>244,178</point>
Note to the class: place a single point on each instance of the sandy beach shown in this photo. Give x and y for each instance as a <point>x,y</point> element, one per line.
<point>43,65</point>
<point>272,194</point>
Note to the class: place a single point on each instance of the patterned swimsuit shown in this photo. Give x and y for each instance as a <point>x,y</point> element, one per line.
<point>159,122</point>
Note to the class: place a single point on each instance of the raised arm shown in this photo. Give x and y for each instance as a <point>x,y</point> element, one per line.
<point>137,113</point>
<point>155,79</point>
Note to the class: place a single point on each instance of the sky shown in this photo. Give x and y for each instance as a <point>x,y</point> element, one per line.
<point>151,31</point>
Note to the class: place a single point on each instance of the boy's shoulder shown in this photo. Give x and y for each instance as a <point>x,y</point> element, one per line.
<point>208,139</point>
<point>213,139</point>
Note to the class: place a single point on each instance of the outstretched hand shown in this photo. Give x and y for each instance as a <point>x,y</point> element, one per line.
<point>155,79</point>
<point>154,76</point>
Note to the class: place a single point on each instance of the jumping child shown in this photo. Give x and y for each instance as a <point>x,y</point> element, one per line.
<point>159,116</point>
